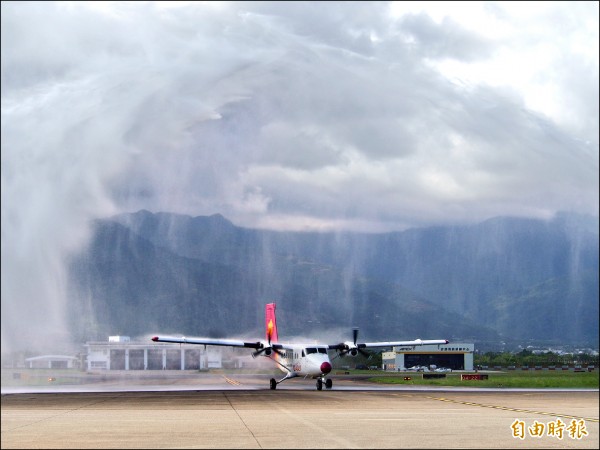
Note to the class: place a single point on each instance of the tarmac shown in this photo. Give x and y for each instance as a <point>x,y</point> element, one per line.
<point>227,413</point>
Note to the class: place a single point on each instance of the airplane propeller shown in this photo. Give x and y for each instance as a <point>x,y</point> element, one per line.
<point>347,348</point>
<point>267,350</point>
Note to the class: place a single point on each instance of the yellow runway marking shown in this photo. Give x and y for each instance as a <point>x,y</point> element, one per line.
<point>231,381</point>
<point>504,408</point>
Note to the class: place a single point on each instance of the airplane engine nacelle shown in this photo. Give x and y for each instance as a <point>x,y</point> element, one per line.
<point>349,349</point>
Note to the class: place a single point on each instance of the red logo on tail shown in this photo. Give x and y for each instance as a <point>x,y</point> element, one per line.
<point>270,323</point>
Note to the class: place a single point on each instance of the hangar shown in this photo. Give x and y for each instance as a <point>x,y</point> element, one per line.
<point>120,353</point>
<point>455,356</point>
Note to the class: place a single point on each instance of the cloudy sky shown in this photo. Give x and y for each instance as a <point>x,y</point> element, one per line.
<point>364,116</point>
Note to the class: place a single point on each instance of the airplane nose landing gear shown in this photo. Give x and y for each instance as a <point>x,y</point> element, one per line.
<point>328,383</point>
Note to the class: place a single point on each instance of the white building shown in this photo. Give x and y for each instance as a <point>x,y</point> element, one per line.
<point>120,353</point>
<point>52,362</point>
<point>455,356</point>
<point>119,339</point>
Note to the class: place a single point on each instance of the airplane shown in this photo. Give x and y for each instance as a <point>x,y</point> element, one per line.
<point>297,360</point>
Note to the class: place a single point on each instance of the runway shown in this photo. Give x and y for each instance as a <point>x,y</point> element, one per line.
<point>223,414</point>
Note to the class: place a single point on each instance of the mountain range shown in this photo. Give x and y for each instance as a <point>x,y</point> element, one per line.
<point>505,280</point>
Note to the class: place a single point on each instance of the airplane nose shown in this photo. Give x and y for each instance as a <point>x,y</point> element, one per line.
<point>325,367</point>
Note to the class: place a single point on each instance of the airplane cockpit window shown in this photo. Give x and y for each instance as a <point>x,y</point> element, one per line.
<point>310,350</point>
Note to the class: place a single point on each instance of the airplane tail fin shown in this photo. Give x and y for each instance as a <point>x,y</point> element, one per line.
<point>270,323</point>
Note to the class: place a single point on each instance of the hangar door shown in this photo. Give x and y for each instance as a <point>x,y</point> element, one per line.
<point>455,361</point>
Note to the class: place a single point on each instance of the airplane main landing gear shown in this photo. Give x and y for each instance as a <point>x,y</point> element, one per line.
<point>329,383</point>
<point>273,382</point>
<point>319,384</point>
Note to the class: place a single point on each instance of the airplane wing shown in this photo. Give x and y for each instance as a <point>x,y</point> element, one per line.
<point>344,345</point>
<point>402,343</point>
<point>223,342</point>
<point>354,347</point>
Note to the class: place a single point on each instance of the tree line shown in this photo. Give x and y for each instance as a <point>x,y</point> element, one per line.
<point>528,358</point>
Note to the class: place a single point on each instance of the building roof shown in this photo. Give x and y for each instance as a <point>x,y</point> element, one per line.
<point>37,358</point>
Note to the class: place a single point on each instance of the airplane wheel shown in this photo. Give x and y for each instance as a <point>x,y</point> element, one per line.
<point>319,384</point>
<point>273,383</point>
<point>328,383</point>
